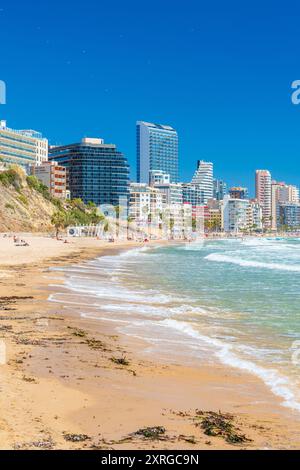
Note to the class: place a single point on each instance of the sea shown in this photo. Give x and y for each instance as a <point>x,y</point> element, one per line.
<point>231,301</point>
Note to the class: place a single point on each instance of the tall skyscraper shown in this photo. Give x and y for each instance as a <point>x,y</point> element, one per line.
<point>203,178</point>
<point>157,149</point>
<point>96,171</point>
<point>263,184</point>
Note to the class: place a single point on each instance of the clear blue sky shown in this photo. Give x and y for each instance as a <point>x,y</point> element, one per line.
<point>220,72</point>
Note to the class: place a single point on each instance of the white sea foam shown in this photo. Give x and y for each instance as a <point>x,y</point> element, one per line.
<point>251,263</point>
<point>142,312</point>
<point>279,384</point>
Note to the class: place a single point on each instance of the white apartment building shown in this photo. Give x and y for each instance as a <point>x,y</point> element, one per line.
<point>263,195</point>
<point>235,214</point>
<point>22,147</point>
<point>172,192</point>
<point>158,177</point>
<point>255,217</point>
<point>145,203</point>
<point>203,179</point>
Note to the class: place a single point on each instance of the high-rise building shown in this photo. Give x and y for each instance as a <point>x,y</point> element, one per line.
<point>96,171</point>
<point>293,193</point>
<point>145,203</point>
<point>255,217</point>
<point>238,193</point>
<point>172,191</point>
<point>220,189</point>
<point>192,194</point>
<point>235,214</point>
<point>288,215</point>
<point>203,179</point>
<point>263,195</point>
<point>282,193</point>
<point>157,149</point>
<point>22,147</point>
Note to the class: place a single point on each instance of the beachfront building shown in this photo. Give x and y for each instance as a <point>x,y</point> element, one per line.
<point>263,186</point>
<point>293,193</point>
<point>203,179</point>
<point>157,149</point>
<point>235,214</point>
<point>191,194</point>
<point>145,203</point>
<point>237,192</point>
<point>282,193</point>
<point>213,215</point>
<point>22,147</point>
<point>219,189</point>
<point>172,191</point>
<point>53,176</point>
<point>96,171</point>
<point>255,217</point>
<point>288,215</point>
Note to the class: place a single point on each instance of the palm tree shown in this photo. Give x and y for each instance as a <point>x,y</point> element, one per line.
<point>59,220</point>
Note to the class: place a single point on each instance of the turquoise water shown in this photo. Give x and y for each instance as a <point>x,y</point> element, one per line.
<point>231,301</point>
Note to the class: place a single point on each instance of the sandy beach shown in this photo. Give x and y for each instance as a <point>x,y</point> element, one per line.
<point>73,383</point>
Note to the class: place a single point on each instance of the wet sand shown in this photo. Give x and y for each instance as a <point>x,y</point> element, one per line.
<point>73,383</point>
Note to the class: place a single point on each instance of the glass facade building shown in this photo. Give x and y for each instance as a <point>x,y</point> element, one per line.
<point>96,171</point>
<point>157,150</point>
<point>22,147</point>
<point>220,189</point>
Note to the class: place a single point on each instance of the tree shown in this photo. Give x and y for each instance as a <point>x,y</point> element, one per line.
<point>59,220</point>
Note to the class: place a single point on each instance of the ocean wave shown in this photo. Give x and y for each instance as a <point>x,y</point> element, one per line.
<point>279,385</point>
<point>251,263</point>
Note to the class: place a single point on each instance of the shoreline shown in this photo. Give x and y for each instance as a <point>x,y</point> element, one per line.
<point>61,380</point>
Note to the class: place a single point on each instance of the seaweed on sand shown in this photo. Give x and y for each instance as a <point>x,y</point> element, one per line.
<point>153,433</point>
<point>121,361</point>
<point>76,437</point>
<point>220,424</point>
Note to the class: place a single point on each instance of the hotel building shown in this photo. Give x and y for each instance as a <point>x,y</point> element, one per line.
<point>22,147</point>
<point>203,179</point>
<point>157,149</point>
<point>96,171</point>
<point>263,195</point>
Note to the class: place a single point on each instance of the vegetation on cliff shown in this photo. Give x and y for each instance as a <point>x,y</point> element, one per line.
<point>27,205</point>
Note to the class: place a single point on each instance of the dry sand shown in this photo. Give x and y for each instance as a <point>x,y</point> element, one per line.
<point>61,389</point>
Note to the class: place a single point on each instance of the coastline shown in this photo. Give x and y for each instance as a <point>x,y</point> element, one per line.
<point>60,379</point>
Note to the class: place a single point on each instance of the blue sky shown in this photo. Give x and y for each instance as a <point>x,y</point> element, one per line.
<point>219,72</point>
